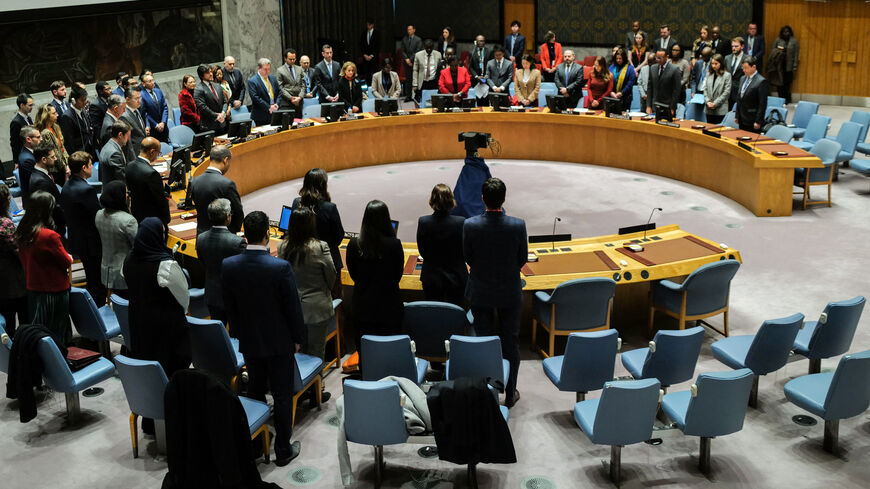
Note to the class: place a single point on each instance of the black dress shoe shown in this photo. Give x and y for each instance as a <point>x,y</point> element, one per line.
<point>513,400</point>
<point>284,459</point>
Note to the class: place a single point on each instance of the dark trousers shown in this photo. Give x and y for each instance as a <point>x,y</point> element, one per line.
<point>749,127</point>
<point>91,265</point>
<point>436,291</point>
<point>785,89</point>
<point>218,312</point>
<point>508,331</point>
<point>714,119</point>
<point>426,85</point>
<point>10,308</point>
<point>276,373</point>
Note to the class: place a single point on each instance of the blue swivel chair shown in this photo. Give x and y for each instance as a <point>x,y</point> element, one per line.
<point>861,118</point>
<point>832,334</point>
<point>240,114</point>
<point>843,394</point>
<point>311,110</point>
<point>176,115</point>
<point>764,352</point>
<point>714,406</point>
<point>861,166</point>
<point>848,137</point>
<point>121,307</point>
<point>5,347</point>
<point>97,324</point>
<point>817,128</point>
<point>801,118</point>
<point>430,324</point>
<point>368,105</point>
<point>775,102</point>
<point>197,306</point>
<point>373,416</point>
<point>383,356</point>
<point>671,357</point>
<point>783,112</point>
<point>476,356</point>
<point>333,330</point>
<point>623,415</point>
<point>426,98</point>
<point>16,191</point>
<point>547,88</point>
<point>60,378</point>
<point>728,120</point>
<point>635,100</point>
<point>310,101</point>
<point>587,364</point>
<point>213,350</point>
<point>781,133</point>
<point>308,373</point>
<point>805,178</point>
<point>582,304</point>
<point>703,294</point>
<point>144,382</point>
<point>180,136</point>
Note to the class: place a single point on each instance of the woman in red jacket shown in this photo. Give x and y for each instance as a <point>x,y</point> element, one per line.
<point>46,267</point>
<point>189,113</point>
<point>551,57</point>
<point>454,79</point>
<point>600,84</point>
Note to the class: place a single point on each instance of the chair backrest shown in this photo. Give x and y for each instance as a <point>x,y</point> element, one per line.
<point>626,412</point>
<point>382,356</point>
<point>368,105</point>
<point>635,99</point>
<point>180,136</point>
<point>56,372</point>
<point>847,136</point>
<point>309,111</point>
<point>775,101</point>
<point>121,306</point>
<point>475,356</point>
<point>549,89</point>
<point>243,109</point>
<point>430,323</point>
<point>589,360</point>
<point>512,89</point>
<point>863,118</point>
<point>835,336</point>
<point>310,101</point>
<point>772,344</point>
<point>728,121</point>
<point>238,115</point>
<point>675,356</point>
<point>426,97</point>
<point>85,315</point>
<point>781,133</point>
<point>583,303</point>
<point>719,407</point>
<point>373,413</point>
<point>176,115</point>
<point>211,348</point>
<point>826,149</point>
<point>783,112</point>
<point>817,128</point>
<point>13,207</point>
<point>708,286</point>
<point>803,112</point>
<point>849,393</point>
<point>144,382</point>
<point>5,347</point>
<point>680,112</point>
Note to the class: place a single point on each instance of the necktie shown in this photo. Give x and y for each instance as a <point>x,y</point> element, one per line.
<point>307,82</point>
<point>480,57</point>
<point>499,67</point>
<point>428,64</point>
<point>750,46</point>
<point>292,73</point>
<point>513,40</point>
<point>329,68</point>
<point>139,118</point>
<point>83,123</point>
<point>745,84</point>
<point>567,73</point>
<point>29,121</point>
<point>153,97</point>
<point>269,87</point>
<point>212,91</point>
<point>736,64</point>
<point>703,75</point>
<point>369,37</point>
<point>661,69</point>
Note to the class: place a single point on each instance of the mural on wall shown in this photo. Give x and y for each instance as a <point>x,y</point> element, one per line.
<point>98,47</point>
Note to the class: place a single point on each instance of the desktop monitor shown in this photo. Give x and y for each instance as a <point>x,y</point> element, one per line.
<point>468,103</point>
<point>663,112</point>
<point>239,129</point>
<point>557,103</point>
<point>386,106</point>
<point>499,100</point>
<point>442,101</point>
<point>202,141</point>
<point>179,167</point>
<point>332,111</point>
<point>612,105</point>
<point>282,119</point>
<point>284,222</point>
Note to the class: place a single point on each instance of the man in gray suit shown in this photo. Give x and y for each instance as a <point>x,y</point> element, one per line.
<point>292,83</point>
<point>113,160</point>
<point>411,45</point>
<point>665,83</point>
<point>569,79</point>
<point>115,107</point>
<point>426,69</point>
<point>132,116</point>
<point>212,247</point>
<point>499,72</point>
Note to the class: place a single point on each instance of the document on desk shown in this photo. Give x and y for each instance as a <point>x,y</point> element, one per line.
<point>180,228</point>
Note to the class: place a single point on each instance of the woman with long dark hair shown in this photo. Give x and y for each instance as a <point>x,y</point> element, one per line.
<point>46,267</point>
<point>189,112</point>
<point>375,261</point>
<point>117,228</point>
<point>717,89</point>
<point>439,239</point>
<point>447,40</point>
<point>624,78</point>
<point>315,196</point>
<point>788,45</point>
<point>600,84</point>
<point>13,287</point>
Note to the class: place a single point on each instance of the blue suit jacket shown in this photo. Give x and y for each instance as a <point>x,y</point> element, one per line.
<point>496,248</point>
<point>154,113</point>
<point>262,304</point>
<point>26,162</point>
<point>519,47</point>
<point>467,189</point>
<point>260,100</point>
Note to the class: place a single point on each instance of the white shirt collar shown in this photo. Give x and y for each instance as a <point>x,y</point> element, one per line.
<point>78,111</point>
<point>219,227</point>
<point>256,248</point>
<point>213,170</point>
<point>43,170</point>
<point>23,116</point>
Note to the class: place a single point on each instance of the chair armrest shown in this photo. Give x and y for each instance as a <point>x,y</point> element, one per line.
<point>652,346</point>
<point>671,285</point>
<point>543,296</point>
<point>618,343</point>
<point>694,390</point>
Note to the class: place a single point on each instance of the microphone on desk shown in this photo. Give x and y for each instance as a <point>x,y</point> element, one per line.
<point>650,220</point>
<point>175,248</point>
<point>555,220</point>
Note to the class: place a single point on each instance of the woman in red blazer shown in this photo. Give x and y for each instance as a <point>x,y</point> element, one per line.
<point>551,57</point>
<point>46,267</point>
<point>454,79</point>
<point>600,84</point>
<point>189,113</point>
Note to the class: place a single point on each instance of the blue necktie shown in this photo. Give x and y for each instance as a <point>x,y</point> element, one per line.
<point>567,72</point>
<point>329,67</point>
<point>513,40</point>
<point>745,84</point>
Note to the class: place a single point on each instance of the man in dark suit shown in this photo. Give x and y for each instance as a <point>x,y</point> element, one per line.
<point>80,205</point>
<point>116,107</point>
<point>121,81</point>
<point>132,116</point>
<point>755,45</point>
<point>370,46</point>
<point>665,41</point>
<point>665,83</point>
<point>236,80</point>
<point>721,45</point>
<point>58,94</point>
<point>41,180</point>
<point>699,71</point>
<point>499,72</point>
<point>734,65</point>
<point>113,159</point>
<point>74,124</point>
<point>326,76</point>
<point>30,137</point>
<point>496,248</point>
<point>147,197</point>
<point>154,109</point>
<point>211,185</point>
<point>264,91</point>
<point>212,247</point>
<point>22,118</point>
<point>515,44</point>
<point>751,98</point>
<point>480,56</point>
<point>264,313</point>
<point>210,102</point>
<point>569,79</point>
<point>411,45</point>
<point>97,112</point>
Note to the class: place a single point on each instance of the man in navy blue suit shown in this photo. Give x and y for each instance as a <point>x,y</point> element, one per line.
<point>80,205</point>
<point>154,109</point>
<point>496,248</point>
<point>515,44</point>
<point>30,138</point>
<point>21,119</point>
<point>264,313</point>
<point>754,45</point>
<point>265,93</point>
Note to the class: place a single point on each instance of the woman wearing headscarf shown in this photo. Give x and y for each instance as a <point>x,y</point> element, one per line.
<point>117,230</point>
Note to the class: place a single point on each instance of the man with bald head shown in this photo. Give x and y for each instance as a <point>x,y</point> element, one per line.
<point>236,80</point>
<point>147,197</point>
<point>721,45</point>
<point>700,70</point>
<point>569,79</point>
<point>308,76</point>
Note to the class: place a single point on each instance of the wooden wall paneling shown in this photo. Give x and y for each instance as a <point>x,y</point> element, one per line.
<point>524,11</point>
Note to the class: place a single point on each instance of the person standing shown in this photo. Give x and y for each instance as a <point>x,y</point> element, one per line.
<point>292,83</point>
<point>265,92</point>
<point>41,180</point>
<point>74,123</point>
<point>734,67</point>
<point>211,185</point>
<point>97,112</point>
<point>13,287</point>
<point>117,230</point>
<point>154,108</point>
<point>624,78</point>
<point>515,44</point>
<point>630,36</point>
<point>426,73</point>
<point>264,313</point>
<point>30,138</point>
<point>187,105</point>
<point>349,90</point>
<point>236,80</point>
<point>147,196</point>
<point>326,76</point>
<point>495,247</point>
<point>212,247</point>
<point>46,123</point>
<point>551,56</point>
<point>527,82</point>
<point>19,121</point>
<point>133,117</point>
<point>569,80</point>
<point>664,84</point>
<point>717,90</point>
<point>752,98</point>
<point>314,194</point>
<point>600,84</point>
<point>790,49</point>
<point>113,160</point>
<point>755,45</point>
<point>210,102</point>
<point>480,56</point>
<point>369,46</point>
<point>439,240</point>
<point>411,45</point>
<point>385,83</point>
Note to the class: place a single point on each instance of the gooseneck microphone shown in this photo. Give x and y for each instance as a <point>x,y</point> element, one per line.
<point>175,248</point>
<point>555,220</point>
<point>650,220</point>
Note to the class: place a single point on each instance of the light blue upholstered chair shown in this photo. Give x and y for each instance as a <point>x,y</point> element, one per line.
<point>97,324</point>
<point>848,137</point>
<point>333,330</point>
<point>832,334</point>
<point>861,166</point>
<point>715,405</point>
<point>240,114</point>
<point>426,98</point>
<point>197,306</point>
<point>623,415</point>
<point>703,294</point>
<point>780,133</point>
<point>587,364</point>
<point>728,120</point>
<point>383,356</point>
<point>670,358</point>
<point>176,115</point>
<point>307,374</point>
<point>582,304</point>
<point>861,118</point>
<point>310,101</point>
<point>430,324</point>
<point>60,378</point>
<point>121,307</point>
<point>180,136</point>
<point>775,101</point>
<point>373,416</point>
<point>476,356</point>
<point>805,178</point>
<point>214,351</point>
<point>764,352</point>
<point>817,128</point>
<point>801,118</point>
<point>547,88</point>
<point>144,382</point>
<point>368,105</point>
<point>5,347</point>
<point>310,110</point>
<point>635,99</point>
<point>843,394</point>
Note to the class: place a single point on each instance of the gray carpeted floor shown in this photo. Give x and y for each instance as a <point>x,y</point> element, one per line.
<point>792,264</point>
